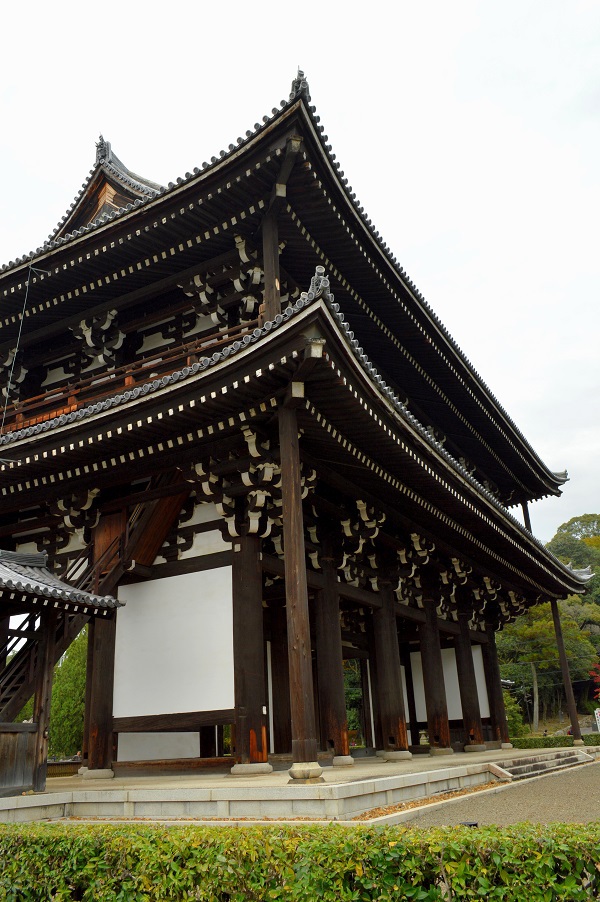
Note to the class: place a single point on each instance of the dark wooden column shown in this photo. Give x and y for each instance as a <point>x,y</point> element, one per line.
<point>270,235</point>
<point>280,676</point>
<point>208,742</point>
<point>389,675</point>
<point>330,665</point>
<point>564,666</point>
<point>467,684</point>
<point>100,735</point>
<point>251,745</point>
<point>494,687</point>
<point>43,697</point>
<point>433,680</point>
<point>4,627</point>
<point>304,734</point>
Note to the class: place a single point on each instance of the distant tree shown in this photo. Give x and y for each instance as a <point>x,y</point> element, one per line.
<point>514,717</point>
<point>529,657</point>
<point>577,542</point>
<point>68,700</point>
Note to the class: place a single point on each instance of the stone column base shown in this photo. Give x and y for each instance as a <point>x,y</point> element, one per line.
<point>434,750</point>
<point>475,747</point>
<point>306,772</point>
<point>397,755</point>
<point>342,761</point>
<point>578,742</point>
<point>82,770</point>
<point>252,769</point>
<point>381,753</point>
<point>101,773</point>
<point>507,745</point>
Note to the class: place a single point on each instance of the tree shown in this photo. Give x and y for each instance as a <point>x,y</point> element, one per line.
<point>68,700</point>
<point>577,542</point>
<point>528,654</point>
<point>514,717</point>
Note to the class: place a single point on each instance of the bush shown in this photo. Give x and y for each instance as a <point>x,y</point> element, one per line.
<point>331,863</point>
<point>552,742</point>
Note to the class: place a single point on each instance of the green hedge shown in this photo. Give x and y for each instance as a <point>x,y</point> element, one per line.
<point>552,742</point>
<point>330,863</point>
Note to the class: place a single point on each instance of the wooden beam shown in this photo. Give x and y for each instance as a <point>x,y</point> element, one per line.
<point>173,723</point>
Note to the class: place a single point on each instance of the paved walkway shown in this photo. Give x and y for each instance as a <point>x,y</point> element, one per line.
<point>569,797</point>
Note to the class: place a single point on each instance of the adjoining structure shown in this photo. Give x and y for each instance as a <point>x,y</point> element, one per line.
<point>230,405</point>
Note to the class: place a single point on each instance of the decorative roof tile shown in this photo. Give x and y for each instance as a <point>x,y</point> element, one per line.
<point>28,574</point>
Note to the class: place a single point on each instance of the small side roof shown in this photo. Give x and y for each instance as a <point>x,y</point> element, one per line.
<point>26,578</point>
<point>109,188</point>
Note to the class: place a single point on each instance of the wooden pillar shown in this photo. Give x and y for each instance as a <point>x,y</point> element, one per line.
<point>4,627</point>
<point>251,745</point>
<point>88,690</point>
<point>410,693</point>
<point>389,674</point>
<point>526,517</point>
<point>208,742</point>
<point>43,697</point>
<point>494,687</point>
<point>100,733</point>
<point>330,666</point>
<point>280,681</point>
<point>433,681</point>
<point>467,683</point>
<point>270,236</point>
<point>304,734</point>
<point>564,666</point>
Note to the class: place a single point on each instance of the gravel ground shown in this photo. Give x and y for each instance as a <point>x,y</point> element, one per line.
<point>569,797</point>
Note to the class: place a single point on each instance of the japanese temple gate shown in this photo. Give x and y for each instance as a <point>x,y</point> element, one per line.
<point>231,409</point>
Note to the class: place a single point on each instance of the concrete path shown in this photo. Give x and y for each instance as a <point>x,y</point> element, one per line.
<point>568,797</point>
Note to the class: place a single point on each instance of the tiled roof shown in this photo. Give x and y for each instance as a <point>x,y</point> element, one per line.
<point>27,574</point>
<point>319,288</point>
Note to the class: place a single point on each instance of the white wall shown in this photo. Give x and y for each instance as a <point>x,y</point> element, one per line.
<point>451,683</point>
<point>174,645</point>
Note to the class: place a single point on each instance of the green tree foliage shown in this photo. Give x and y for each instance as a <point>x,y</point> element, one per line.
<point>514,716</point>
<point>68,700</point>
<point>578,542</point>
<point>531,640</point>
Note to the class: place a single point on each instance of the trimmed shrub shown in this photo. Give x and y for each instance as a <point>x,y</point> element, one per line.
<point>552,742</point>
<point>331,863</point>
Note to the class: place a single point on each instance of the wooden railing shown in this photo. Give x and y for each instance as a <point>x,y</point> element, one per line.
<point>67,398</point>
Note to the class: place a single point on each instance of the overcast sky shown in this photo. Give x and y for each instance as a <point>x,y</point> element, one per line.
<point>470,132</point>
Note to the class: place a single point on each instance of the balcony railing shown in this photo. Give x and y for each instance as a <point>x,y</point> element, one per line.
<point>69,397</point>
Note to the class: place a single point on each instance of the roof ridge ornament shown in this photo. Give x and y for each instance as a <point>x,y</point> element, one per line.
<point>102,150</point>
<point>300,86</point>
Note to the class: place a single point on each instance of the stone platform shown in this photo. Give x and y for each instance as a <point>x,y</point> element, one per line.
<point>346,793</point>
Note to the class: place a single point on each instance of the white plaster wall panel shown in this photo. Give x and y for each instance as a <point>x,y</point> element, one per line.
<point>450,682</point>
<point>484,705</point>
<point>157,746</point>
<point>405,697</point>
<point>206,543</point>
<point>204,512</point>
<point>174,645</point>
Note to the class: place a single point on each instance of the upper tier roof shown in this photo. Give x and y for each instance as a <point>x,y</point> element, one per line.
<point>322,222</point>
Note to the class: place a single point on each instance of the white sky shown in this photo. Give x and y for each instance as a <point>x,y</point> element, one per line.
<point>469,131</point>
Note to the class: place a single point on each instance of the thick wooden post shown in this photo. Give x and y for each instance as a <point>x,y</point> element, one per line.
<point>272,295</point>
<point>564,666</point>
<point>43,697</point>
<point>389,675</point>
<point>467,685</point>
<point>433,681</point>
<point>494,688</point>
<point>100,735</point>
<point>251,746</point>
<point>304,734</point>
<point>330,667</point>
<point>4,627</point>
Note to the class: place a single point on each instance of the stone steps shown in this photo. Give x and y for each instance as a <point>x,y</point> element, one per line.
<point>544,762</point>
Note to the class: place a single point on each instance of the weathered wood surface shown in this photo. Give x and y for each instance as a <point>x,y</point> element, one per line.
<point>17,757</point>
<point>389,676</point>
<point>304,734</point>
<point>433,679</point>
<point>467,682</point>
<point>330,668</point>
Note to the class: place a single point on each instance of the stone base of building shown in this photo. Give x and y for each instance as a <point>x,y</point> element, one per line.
<point>251,769</point>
